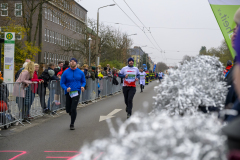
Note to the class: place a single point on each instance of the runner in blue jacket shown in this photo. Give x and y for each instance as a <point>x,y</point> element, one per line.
<point>73,82</point>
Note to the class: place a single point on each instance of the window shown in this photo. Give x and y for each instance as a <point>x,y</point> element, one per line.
<point>50,57</point>
<point>50,15</point>
<point>58,18</point>
<point>46,14</point>
<point>53,37</point>
<point>70,24</point>
<point>45,57</point>
<point>50,36</point>
<point>4,9</point>
<point>53,19</point>
<point>18,9</point>
<point>45,34</point>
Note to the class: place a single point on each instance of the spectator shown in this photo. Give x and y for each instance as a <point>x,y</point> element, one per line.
<point>64,68</point>
<point>229,66</point>
<point>52,88</point>
<point>19,90</point>
<point>20,70</point>
<point>30,95</point>
<point>58,68</point>
<point>104,72</point>
<point>82,69</point>
<point>42,90</point>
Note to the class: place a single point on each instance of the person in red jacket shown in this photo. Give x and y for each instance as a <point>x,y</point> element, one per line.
<point>229,66</point>
<point>34,86</point>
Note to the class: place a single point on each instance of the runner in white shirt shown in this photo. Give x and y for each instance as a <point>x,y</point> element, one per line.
<point>142,79</point>
<point>160,76</point>
<point>130,75</point>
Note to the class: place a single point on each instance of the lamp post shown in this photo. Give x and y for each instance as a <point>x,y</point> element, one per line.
<point>89,41</point>
<point>98,26</point>
<point>126,40</point>
<point>1,41</point>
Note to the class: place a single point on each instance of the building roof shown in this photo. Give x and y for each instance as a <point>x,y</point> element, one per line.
<point>81,6</point>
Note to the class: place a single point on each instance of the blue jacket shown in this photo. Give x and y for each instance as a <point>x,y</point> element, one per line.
<point>75,79</point>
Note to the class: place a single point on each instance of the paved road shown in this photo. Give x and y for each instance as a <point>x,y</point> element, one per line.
<point>53,139</point>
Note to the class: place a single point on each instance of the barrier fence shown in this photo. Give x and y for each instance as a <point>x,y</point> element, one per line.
<point>20,102</point>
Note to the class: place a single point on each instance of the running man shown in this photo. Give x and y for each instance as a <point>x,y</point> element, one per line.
<point>160,76</point>
<point>142,79</point>
<point>73,82</point>
<point>130,75</point>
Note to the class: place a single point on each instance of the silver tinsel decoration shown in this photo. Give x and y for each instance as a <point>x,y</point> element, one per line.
<point>161,137</point>
<point>158,136</point>
<point>198,82</point>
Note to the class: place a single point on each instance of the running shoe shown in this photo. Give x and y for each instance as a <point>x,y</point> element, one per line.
<point>72,127</point>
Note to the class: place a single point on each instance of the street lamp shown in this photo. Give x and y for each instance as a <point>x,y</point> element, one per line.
<point>89,41</point>
<point>1,41</point>
<point>98,26</point>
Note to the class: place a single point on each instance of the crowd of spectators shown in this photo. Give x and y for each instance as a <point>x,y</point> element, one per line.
<point>33,84</point>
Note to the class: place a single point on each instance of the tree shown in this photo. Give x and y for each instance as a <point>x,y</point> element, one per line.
<point>113,44</point>
<point>161,66</point>
<point>222,52</point>
<point>203,50</point>
<point>21,48</point>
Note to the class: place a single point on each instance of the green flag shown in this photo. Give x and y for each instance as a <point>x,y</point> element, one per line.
<point>224,11</point>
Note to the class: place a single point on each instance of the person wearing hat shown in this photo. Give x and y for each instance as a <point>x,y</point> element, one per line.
<point>130,75</point>
<point>142,79</point>
<point>73,82</point>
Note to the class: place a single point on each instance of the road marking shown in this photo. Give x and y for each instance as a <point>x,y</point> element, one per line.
<point>110,115</point>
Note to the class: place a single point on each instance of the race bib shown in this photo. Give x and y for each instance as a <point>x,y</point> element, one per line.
<point>73,94</point>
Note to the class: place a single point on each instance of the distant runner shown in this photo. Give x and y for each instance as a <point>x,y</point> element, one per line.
<point>160,76</point>
<point>130,75</point>
<point>142,79</point>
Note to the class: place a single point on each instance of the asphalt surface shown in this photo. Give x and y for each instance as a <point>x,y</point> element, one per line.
<point>52,139</point>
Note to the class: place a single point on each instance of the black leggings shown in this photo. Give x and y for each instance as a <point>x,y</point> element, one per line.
<point>71,106</point>
<point>129,93</point>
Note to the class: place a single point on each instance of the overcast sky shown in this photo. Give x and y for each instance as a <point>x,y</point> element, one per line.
<point>168,15</point>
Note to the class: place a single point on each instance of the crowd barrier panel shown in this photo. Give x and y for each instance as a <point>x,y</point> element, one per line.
<point>10,111</point>
<point>40,97</point>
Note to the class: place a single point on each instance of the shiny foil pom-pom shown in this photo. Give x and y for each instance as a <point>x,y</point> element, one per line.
<point>198,82</point>
<point>161,137</point>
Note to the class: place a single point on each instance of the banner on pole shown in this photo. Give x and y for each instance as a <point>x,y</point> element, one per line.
<point>154,67</point>
<point>224,11</point>
<point>9,46</point>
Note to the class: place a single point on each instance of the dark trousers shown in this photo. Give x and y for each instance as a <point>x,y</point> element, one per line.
<point>42,94</point>
<point>141,87</point>
<point>129,93</point>
<point>71,106</point>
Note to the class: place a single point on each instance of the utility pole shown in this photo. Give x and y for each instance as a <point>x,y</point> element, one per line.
<point>98,26</point>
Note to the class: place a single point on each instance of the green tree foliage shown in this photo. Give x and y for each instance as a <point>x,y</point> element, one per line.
<point>203,50</point>
<point>113,63</point>
<point>222,52</point>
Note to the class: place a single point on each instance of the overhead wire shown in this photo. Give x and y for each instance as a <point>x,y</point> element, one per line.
<point>164,27</point>
<point>145,27</point>
<point>133,22</point>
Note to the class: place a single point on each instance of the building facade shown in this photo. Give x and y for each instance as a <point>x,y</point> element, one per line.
<point>60,27</point>
<point>136,54</point>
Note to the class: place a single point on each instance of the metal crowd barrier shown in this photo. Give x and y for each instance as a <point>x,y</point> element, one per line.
<point>94,89</point>
<point>20,102</point>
